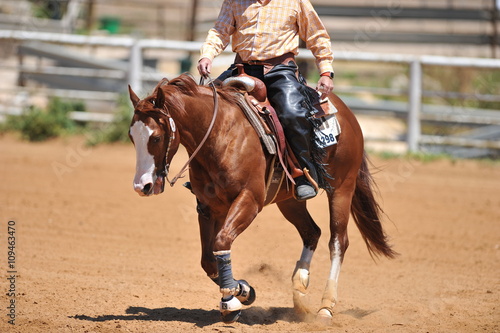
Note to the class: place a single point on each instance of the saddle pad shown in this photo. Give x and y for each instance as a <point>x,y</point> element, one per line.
<point>327,133</point>
<point>253,118</point>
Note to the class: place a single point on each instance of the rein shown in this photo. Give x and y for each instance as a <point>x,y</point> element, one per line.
<point>209,130</point>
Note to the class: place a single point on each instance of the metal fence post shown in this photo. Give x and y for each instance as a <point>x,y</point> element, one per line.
<point>415,105</point>
<point>135,67</point>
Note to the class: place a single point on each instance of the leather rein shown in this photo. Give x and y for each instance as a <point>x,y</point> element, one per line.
<point>200,145</point>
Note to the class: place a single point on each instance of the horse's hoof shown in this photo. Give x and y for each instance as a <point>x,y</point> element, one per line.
<point>230,317</point>
<point>247,295</point>
<point>324,316</point>
<point>298,303</point>
<point>251,297</point>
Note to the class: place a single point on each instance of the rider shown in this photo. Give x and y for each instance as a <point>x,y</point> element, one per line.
<point>265,37</point>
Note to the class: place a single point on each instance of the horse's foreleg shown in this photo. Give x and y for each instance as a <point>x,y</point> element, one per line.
<point>297,214</point>
<point>207,235</point>
<point>234,292</point>
<point>213,263</point>
<point>339,217</point>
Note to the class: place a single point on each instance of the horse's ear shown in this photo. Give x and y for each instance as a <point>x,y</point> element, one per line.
<point>160,98</point>
<point>133,97</point>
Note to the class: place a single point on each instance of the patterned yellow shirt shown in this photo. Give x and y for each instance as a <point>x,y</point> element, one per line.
<point>264,29</point>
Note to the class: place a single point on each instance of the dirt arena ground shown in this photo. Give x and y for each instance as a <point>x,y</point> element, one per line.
<point>92,256</point>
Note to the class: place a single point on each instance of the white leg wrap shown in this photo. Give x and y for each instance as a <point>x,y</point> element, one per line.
<point>300,279</point>
<point>300,282</point>
<point>330,295</point>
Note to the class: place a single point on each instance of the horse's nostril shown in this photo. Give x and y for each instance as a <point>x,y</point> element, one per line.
<point>147,188</point>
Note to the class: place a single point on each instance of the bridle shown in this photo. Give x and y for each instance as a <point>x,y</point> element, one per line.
<point>202,142</point>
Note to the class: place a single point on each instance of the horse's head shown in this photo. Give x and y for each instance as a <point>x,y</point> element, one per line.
<point>156,140</point>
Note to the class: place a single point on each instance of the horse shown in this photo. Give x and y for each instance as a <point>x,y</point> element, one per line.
<point>227,173</point>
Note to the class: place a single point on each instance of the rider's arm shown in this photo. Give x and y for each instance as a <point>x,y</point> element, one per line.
<point>314,33</point>
<point>220,35</point>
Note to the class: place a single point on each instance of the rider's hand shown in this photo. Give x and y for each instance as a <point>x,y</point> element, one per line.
<point>324,86</point>
<point>204,66</point>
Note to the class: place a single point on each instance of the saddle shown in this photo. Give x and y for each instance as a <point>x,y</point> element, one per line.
<point>252,99</point>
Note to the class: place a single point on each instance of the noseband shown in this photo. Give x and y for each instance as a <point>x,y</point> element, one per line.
<point>202,142</point>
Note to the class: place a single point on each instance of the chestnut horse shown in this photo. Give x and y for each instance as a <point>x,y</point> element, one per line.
<point>228,173</point>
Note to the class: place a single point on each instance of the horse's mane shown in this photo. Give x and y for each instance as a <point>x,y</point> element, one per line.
<point>172,90</point>
<point>184,85</point>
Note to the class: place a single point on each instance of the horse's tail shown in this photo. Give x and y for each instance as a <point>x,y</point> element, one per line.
<point>367,212</point>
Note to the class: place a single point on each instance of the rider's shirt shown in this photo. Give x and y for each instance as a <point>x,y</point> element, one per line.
<point>265,29</point>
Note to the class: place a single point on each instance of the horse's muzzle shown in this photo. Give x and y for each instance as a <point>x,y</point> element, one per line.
<point>151,188</point>
<point>145,190</point>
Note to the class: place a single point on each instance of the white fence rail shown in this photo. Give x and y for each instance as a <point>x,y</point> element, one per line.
<point>135,74</point>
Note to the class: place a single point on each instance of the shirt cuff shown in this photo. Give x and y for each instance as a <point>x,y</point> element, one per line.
<point>203,57</point>
<point>207,54</point>
<point>325,66</point>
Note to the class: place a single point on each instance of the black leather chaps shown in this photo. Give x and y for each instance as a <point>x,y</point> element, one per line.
<point>286,91</point>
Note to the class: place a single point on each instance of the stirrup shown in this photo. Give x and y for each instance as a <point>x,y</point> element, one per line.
<point>304,190</point>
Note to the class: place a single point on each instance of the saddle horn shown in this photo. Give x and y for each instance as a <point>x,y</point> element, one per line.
<point>245,82</point>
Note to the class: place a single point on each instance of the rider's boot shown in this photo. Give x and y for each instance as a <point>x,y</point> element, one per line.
<point>304,189</point>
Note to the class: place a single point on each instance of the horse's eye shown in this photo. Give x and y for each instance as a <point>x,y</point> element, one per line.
<point>156,139</point>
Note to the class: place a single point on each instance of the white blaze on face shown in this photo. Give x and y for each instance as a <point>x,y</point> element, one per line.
<point>145,164</point>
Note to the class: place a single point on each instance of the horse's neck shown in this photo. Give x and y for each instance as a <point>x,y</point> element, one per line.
<point>194,121</point>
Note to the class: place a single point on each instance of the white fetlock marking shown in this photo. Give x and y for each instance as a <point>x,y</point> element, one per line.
<point>233,304</point>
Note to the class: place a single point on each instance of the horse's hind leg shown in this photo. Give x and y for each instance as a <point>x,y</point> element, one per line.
<point>339,204</point>
<point>296,212</point>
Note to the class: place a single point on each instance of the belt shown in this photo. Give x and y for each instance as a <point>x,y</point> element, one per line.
<point>282,59</point>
